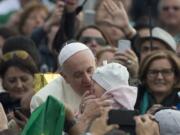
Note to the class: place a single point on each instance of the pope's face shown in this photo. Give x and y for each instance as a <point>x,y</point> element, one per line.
<point>77,71</point>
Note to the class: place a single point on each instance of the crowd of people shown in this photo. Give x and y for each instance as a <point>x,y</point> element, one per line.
<point>117,65</point>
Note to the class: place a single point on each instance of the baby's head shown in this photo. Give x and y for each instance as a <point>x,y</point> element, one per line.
<point>109,77</point>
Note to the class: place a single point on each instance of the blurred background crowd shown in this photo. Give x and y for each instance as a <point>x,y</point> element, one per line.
<point>140,37</point>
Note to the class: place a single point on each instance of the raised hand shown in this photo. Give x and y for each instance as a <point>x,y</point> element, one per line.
<point>71,5</point>
<point>128,59</point>
<point>117,14</point>
<point>56,15</point>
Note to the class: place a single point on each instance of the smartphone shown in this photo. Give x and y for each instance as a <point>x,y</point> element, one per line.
<point>123,45</point>
<point>89,17</point>
<point>16,114</point>
<point>124,118</point>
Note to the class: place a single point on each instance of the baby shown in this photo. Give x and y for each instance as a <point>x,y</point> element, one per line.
<point>113,79</point>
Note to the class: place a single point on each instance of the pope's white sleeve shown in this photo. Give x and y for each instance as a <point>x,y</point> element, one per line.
<point>36,101</point>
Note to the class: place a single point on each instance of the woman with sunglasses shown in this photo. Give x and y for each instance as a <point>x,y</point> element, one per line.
<point>17,69</point>
<point>159,74</point>
<point>93,37</point>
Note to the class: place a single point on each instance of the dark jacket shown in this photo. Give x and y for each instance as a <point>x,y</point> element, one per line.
<point>145,99</point>
<point>8,102</point>
<point>48,60</point>
<point>66,31</point>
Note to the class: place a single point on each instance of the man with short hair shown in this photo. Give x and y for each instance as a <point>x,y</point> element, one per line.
<point>169,15</point>
<point>160,39</point>
<point>77,65</point>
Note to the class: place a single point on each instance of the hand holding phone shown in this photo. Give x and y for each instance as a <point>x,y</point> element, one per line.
<point>20,118</point>
<point>124,118</point>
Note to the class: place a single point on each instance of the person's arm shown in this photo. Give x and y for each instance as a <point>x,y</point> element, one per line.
<point>65,31</point>
<point>99,126</point>
<point>67,26</point>
<point>117,17</point>
<point>70,24</point>
<point>128,59</point>
<point>92,108</point>
<point>41,32</point>
<point>3,119</point>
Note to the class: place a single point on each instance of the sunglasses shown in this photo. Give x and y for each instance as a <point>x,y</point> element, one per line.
<point>98,40</point>
<point>20,54</point>
<point>167,8</point>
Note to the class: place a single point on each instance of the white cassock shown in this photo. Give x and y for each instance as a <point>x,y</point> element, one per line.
<point>59,89</point>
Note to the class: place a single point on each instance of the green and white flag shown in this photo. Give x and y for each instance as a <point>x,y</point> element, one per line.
<point>47,119</point>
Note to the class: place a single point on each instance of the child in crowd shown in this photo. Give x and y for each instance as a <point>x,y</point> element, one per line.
<point>113,79</point>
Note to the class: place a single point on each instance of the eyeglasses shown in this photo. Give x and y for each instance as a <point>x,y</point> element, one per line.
<point>164,72</point>
<point>98,40</point>
<point>167,8</point>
